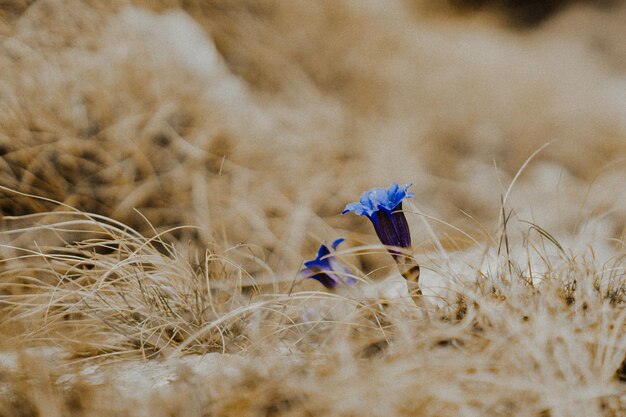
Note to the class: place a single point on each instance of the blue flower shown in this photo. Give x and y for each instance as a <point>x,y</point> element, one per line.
<point>326,269</point>
<point>383,206</point>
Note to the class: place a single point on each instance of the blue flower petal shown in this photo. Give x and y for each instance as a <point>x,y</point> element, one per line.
<point>383,206</point>
<point>326,269</point>
<point>377,199</point>
<point>325,279</point>
<point>337,242</point>
<point>392,228</point>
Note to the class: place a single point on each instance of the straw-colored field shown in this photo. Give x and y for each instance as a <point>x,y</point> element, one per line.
<point>167,166</point>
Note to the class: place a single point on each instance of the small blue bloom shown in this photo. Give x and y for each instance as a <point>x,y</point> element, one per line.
<point>383,206</point>
<point>326,269</point>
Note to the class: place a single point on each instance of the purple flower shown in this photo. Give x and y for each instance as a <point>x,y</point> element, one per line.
<point>383,206</point>
<point>326,269</point>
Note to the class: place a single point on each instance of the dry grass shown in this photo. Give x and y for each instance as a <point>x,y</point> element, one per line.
<point>166,167</point>
<point>507,338</point>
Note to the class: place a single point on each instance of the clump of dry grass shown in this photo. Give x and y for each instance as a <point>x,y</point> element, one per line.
<point>540,334</point>
<point>114,290</point>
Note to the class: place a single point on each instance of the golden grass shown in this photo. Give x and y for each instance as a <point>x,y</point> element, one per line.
<point>503,339</point>
<point>167,166</point>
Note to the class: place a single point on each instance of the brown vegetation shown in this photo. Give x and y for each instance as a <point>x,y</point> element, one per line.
<point>166,166</point>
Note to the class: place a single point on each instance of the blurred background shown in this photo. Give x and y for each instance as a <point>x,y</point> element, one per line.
<point>257,121</point>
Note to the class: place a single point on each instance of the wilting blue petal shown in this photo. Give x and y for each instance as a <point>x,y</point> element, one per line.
<point>326,269</point>
<point>383,206</point>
